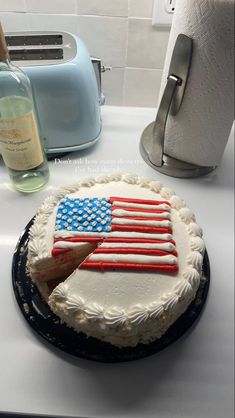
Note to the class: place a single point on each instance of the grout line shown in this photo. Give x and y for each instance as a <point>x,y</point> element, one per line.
<point>106,16</point>
<point>25,5</point>
<point>144,68</point>
<point>128,8</point>
<point>76,7</point>
<point>37,13</point>
<point>50,14</point>
<point>73,14</point>
<point>126,55</point>
<point>121,67</point>
<point>10,12</point>
<point>139,18</point>
<point>115,16</point>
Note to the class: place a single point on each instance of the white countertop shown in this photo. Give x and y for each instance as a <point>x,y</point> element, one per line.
<point>193,378</point>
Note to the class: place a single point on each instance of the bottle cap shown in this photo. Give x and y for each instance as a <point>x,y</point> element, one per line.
<point>4,54</point>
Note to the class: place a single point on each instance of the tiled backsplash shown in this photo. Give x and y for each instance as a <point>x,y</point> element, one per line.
<point>117,31</point>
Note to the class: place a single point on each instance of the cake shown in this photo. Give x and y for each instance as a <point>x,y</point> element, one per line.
<point>116,257</point>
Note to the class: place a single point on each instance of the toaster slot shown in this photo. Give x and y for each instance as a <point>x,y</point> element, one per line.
<point>36,54</point>
<point>41,48</point>
<point>30,40</point>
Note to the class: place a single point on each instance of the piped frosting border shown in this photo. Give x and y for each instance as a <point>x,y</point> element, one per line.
<point>137,315</point>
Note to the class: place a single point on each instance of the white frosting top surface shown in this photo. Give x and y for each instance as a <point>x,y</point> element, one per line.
<point>123,289</point>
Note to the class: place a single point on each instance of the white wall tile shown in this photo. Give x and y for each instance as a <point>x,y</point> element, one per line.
<point>51,6</point>
<point>52,22</point>
<point>146,45</point>
<point>140,8</point>
<point>141,87</point>
<point>105,37</point>
<point>112,86</point>
<point>12,22</point>
<point>118,31</point>
<point>103,7</point>
<point>12,5</point>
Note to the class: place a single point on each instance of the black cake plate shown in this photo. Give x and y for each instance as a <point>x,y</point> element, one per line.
<point>45,323</point>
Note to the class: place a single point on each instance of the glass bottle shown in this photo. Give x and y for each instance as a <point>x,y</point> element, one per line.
<point>20,143</point>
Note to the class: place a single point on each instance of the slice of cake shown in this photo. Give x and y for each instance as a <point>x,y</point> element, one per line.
<point>117,257</point>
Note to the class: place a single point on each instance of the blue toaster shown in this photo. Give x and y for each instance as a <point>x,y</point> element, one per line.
<point>66,84</point>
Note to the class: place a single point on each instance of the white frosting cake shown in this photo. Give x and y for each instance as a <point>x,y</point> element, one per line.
<point>117,257</point>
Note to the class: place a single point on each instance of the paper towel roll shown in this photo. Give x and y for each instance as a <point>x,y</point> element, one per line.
<point>199,132</point>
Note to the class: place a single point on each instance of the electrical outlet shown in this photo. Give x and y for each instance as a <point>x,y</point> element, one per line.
<point>170,6</point>
<point>163,11</point>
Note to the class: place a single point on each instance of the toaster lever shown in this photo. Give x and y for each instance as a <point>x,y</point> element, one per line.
<point>98,68</point>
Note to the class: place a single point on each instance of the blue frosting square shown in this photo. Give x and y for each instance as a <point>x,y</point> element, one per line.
<point>84,215</point>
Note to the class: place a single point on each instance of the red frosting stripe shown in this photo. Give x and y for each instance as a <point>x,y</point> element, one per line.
<point>138,201</point>
<point>137,228</point>
<point>96,239</point>
<point>134,251</point>
<point>140,218</point>
<point>128,266</point>
<point>139,240</point>
<point>79,239</point>
<point>154,211</point>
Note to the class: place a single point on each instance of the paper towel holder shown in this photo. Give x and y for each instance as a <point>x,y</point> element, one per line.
<point>152,138</point>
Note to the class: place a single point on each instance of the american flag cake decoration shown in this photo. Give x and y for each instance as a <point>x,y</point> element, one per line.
<point>129,233</point>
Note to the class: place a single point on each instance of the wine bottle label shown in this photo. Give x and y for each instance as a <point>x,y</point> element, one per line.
<point>20,143</point>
